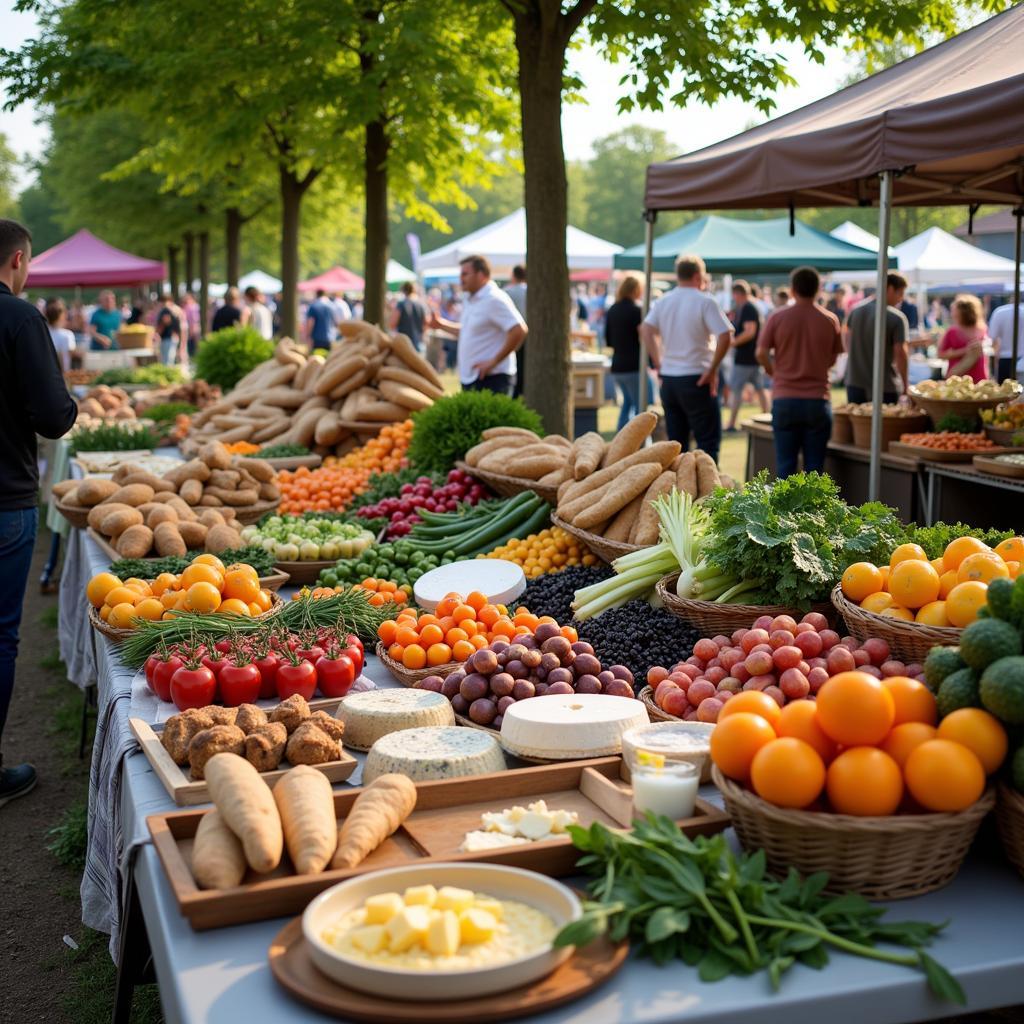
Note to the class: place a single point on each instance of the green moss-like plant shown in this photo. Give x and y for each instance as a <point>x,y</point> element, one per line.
<point>226,356</point>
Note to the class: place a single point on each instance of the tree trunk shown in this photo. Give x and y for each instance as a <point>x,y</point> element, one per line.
<point>375,253</point>
<point>204,282</point>
<point>190,261</point>
<point>548,368</point>
<point>292,191</point>
<point>233,244</point>
<point>172,268</point>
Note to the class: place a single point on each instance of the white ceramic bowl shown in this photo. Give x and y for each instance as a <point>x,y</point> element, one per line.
<point>545,894</point>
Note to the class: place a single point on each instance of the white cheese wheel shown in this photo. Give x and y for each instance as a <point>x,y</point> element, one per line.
<point>445,752</point>
<point>376,713</point>
<point>570,726</point>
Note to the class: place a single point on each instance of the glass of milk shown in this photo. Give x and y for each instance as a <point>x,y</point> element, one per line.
<point>664,787</point>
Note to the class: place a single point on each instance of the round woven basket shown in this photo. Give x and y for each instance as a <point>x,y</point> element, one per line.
<point>301,573</point>
<point>1001,435</point>
<point>842,428</point>
<point>606,550</point>
<point>509,486</point>
<point>888,858</point>
<point>249,514</point>
<point>893,427</point>
<point>1010,822</point>
<point>275,581</point>
<point>714,618</point>
<point>969,408</point>
<point>908,641</point>
<point>656,714</point>
<point>411,676</point>
<point>76,515</point>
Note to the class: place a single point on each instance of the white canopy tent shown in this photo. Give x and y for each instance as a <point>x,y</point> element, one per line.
<point>503,243</point>
<point>935,257</point>
<point>856,235</point>
<point>397,274</point>
<point>259,279</point>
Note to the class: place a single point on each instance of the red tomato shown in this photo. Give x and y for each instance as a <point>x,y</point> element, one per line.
<point>151,663</point>
<point>335,674</point>
<point>267,666</point>
<point>311,654</point>
<point>214,661</point>
<point>224,646</point>
<point>162,672</point>
<point>296,677</point>
<point>239,684</point>
<point>193,687</point>
<point>353,641</point>
<point>355,650</point>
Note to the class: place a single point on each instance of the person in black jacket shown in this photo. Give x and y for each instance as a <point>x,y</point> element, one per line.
<point>33,400</point>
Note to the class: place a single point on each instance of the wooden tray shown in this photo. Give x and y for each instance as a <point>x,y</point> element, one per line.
<point>987,464</point>
<point>445,811</point>
<point>589,967</point>
<point>919,451</point>
<point>311,461</point>
<point>186,791</point>
<point>249,514</point>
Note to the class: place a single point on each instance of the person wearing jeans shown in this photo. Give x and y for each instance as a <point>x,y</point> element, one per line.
<point>33,400</point>
<point>797,346</point>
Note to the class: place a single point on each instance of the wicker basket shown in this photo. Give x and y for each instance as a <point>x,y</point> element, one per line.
<point>411,676</point>
<point>969,408</point>
<point>714,618</point>
<point>509,486</point>
<point>908,641</point>
<point>1010,822</point>
<point>842,428</point>
<point>274,582</point>
<point>1002,435</point>
<point>249,514</point>
<point>135,339</point>
<point>656,714</point>
<point>76,515</point>
<point>887,858</point>
<point>606,550</point>
<point>893,427</point>
<point>303,573</point>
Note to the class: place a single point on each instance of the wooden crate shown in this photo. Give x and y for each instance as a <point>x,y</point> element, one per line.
<point>588,387</point>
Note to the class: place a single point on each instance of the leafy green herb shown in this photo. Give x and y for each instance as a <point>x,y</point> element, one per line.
<point>935,539</point>
<point>155,375</point>
<point>958,424</point>
<point>279,451</point>
<point>226,356</point>
<point>722,913</point>
<point>149,568</point>
<point>452,425</point>
<point>167,411</point>
<point>113,437</point>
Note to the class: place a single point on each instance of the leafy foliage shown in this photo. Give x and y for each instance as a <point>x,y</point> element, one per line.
<point>935,539</point>
<point>958,424</point>
<point>149,568</point>
<point>69,838</point>
<point>697,901</point>
<point>226,356</point>
<point>166,411</point>
<point>796,535</point>
<point>120,436</point>
<point>451,426</point>
<point>156,375</point>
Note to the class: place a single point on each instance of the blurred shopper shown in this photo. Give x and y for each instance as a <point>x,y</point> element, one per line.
<point>860,345</point>
<point>259,312</point>
<point>190,308</point>
<point>104,323</point>
<point>797,347</point>
<point>232,313</point>
<point>35,401</point>
<point>963,344</point>
<point>745,368</point>
<point>687,336</point>
<point>63,339</point>
<point>622,333</point>
<point>1000,329</point>
<point>169,330</point>
<point>320,321</point>
<point>410,316</point>
<point>516,291</point>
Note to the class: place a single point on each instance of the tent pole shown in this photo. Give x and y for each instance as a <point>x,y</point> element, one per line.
<point>1018,214</point>
<point>881,316</point>
<point>650,216</point>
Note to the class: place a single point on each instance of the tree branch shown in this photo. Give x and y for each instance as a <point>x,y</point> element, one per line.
<point>572,19</point>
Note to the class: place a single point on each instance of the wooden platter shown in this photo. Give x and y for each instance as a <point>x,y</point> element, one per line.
<point>987,464</point>
<point>249,514</point>
<point>589,967</point>
<point>919,451</point>
<point>186,791</point>
<point>444,812</point>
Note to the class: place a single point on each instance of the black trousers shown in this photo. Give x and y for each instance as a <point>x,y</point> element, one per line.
<point>502,383</point>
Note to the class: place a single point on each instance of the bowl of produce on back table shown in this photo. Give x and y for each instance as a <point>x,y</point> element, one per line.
<point>304,546</point>
<point>962,396</point>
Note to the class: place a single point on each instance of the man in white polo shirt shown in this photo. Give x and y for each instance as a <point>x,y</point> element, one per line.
<point>687,336</point>
<point>490,331</point>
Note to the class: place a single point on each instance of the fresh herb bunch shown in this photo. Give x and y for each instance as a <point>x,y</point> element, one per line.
<point>156,375</point>
<point>169,411</point>
<point>149,568</point>
<point>720,912</point>
<point>958,424</point>
<point>444,433</point>
<point>796,536</point>
<point>279,451</point>
<point>120,436</point>
<point>226,356</point>
<point>935,539</point>
<point>389,485</point>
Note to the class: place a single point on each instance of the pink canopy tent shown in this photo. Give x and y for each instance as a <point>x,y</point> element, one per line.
<point>337,279</point>
<point>83,260</point>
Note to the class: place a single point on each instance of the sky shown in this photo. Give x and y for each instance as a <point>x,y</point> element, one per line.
<point>689,128</point>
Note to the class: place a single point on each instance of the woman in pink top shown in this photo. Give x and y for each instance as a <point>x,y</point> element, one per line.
<point>962,343</point>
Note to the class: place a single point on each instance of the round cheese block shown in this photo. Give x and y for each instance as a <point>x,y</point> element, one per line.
<point>375,713</point>
<point>443,752</point>
<point>498,580</point>
<point>565,727</point>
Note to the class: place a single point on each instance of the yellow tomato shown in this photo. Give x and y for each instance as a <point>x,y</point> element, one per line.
<point>99,586</point>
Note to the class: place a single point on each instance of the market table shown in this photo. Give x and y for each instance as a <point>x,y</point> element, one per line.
<point>952,495</point>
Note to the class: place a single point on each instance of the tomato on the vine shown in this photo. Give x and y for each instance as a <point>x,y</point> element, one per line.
<point>267,666</point>
<point>193,686</point>
<point>239,683</point>
<point>163,670</point>
<point>335,673</point>
<point>295,675</point>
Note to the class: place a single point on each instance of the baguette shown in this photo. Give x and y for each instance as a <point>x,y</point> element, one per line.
<point>621,526</point>
<point>587,453</point>
<point>218,861</point>
<point>404,395</point>
<point>403,375</point>
<point>338,371</point>
<point>375,815</point>
<point>402,347</point>
<point>662,452</point>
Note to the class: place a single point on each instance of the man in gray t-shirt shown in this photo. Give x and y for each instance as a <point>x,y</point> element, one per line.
<point>860,345</point>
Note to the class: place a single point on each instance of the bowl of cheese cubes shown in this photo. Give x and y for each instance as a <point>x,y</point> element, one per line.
<point>451,931</point>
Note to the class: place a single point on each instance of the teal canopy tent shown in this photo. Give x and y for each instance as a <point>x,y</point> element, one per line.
<point>729,245</point>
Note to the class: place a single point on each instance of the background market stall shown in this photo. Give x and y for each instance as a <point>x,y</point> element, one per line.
<point>86,261</point>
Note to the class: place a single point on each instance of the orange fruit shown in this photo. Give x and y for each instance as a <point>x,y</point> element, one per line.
<point>1013,568</point>
<point>913,583</point>
<point>884,570</point>
<point>414,656</point>
<point>478,641</point>
<point>462,649</point>
<point>149,608</point>
<point>255,609</point>
<point>122,595</point>
<point>239,567</point>
<point>447,605</point>
<point>944,776</point>
<point>914,701</point>
<point>207,559</point>
<point>963,602</point>
<point>877,602</point>
<point>121,616</point>
<point>438,654</point>
<point>463,611</point>
<point>454,635</point>
<point>406,635</point>
<point>476,600</point>
<point>753,702</point>
<point>386,632</point>
<point>395,652</point>
<point>799,719</point>
<point>431,634</point>
<point>134,583</point>
<point>957,550</point>
<point>787,772</point>
<point>947,581</point>
<point>933,614</point>
<point>864,781</point>
<point>105,612</point>
<point>164,582</point>
<point>980,732</point>
<point>860,580</point>
<point>907,551</point>
<point>736,740</point>
<point>1011,549</point>
<point>855,709</point>
<point>201,572</point>
<point>906,738</point>
<point>203,596</point>
<point>99,586</point>
<point>488,615</point>
<point>240,584</point>
<point>938,565</point>
<point>897,611</point>
<point>233,606</point>
<point>263,600</point>
<point>169,598</point>
<point>984,567</point>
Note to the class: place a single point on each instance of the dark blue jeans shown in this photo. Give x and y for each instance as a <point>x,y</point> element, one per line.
<point>17,539</point>
<point>629,384</point>
<point>502,383</point>
<point>800,424</point>
<point>690,408</point>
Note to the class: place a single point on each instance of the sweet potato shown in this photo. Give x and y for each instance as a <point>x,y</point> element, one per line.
<point>215,455</point>
<point>645,532</point>
<point>191,491</point>
<point>707,474</point>
<point>184,510</point>
<point>661,452</point>
<point>193,534</point>
<point>167,540</point>
<point>246,496</point>
<point>620,493</point>
<point>587,451</point>
<point>247,806</point>
<point>229,479</point>
<point>220,538</point>
<point>92,490</point>
<point>492,432</point>
<point>135,542</point>
<point>509,444</point>
<point>621,526</point>
<point>306,804</point>
<point>686,474</point>
<point>131,494</point>
<point>158,483</point>
<point>218,861</point>
<point>630,438</point>
<point>209,501</point>
<point>533,467</point>
<point>162,497</point>
<point>161,514</point>
<point>211,517</point>
<point>194,469</point>
<point>99,512</point>
<point>269,492</point>
<point>260,469</point>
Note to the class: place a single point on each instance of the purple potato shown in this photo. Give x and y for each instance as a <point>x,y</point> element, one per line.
<point>560,675</point>
<point>474,687</point>
<point>499,643</point>
<point>606,677</point>
<point>540,675</point>
<point>502,657</point>
<point>483,711</point>
<point>549,661</point>
<point>560,688</point>
<point>546,631</point>
<point>528,641</point>
<point>532,658</point>
<point>516,650</point>
<point>588,684</point>
<point>498,719</point>
<point>619,688</point>
<point>504,703</point>
<point>586,665</point>
<point>540,689</point>
<point>621,672</point>
<point>559,646</point>
<point>582,647</point>
<point>516,669</point>
<point>523,689</point>
<point>450,686</point>
<point>502,684</point>
<point>432,683</point>
<point>484,661</point>
<point>459,704</point>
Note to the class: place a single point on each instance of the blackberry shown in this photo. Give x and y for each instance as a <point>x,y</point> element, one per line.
<point>552,593</point>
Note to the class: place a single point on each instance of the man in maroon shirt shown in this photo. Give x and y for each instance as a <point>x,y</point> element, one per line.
<point>797,346</point>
